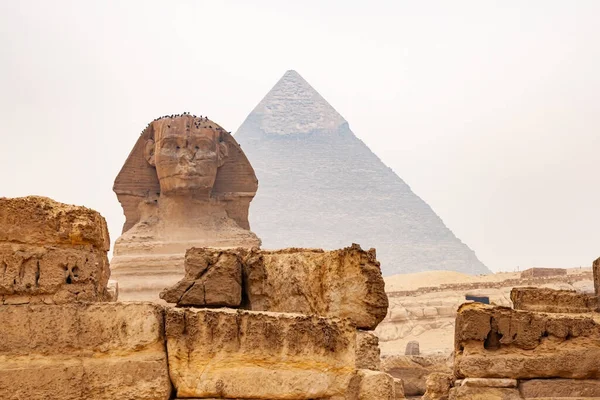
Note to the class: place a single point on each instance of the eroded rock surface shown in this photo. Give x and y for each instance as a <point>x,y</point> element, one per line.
<point>212,278</point>
<point>553,301</point>
<point>550,388</point>
<point>51,252</point>
<point>498,342</point>
<point>345,283</point>
<point>414,370</point>
<point>243,354</point>
<point>83,351</point>
<point>376,385</point>
<point>367,351</point>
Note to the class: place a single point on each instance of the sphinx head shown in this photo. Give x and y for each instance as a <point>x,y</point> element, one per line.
<point>187,152</point>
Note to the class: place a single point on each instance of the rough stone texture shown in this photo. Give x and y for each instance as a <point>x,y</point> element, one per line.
<point>186,183</point>
<point>552,301</point>
<point>596,272</point>
<point>438,386</point>
<point>83,351</point>
<point>51,252</point>
<point>399,388</point>
<point>299,146</point>
<point>212,278</point>
<point>483,393</point>
<point>243,354</point>
<point>367,351</point>
<point>498,342</point>
<point>551,388</point>
<point>414,370</point>
<point>376,385</point>
<point>489,382</point>
<point>412,348</point>
<point>344,283</point>
<point>543,272</point>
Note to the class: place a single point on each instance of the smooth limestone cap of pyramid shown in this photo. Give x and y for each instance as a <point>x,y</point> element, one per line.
<point>293,106</point>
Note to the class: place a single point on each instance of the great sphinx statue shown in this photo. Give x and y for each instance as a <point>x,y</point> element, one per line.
<point>186,183</point>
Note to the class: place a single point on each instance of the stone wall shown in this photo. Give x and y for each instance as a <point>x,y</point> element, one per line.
<point>51,253</point>
<point>504,353</point>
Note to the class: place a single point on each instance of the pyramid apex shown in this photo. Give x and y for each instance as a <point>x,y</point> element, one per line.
<point>293,106</point>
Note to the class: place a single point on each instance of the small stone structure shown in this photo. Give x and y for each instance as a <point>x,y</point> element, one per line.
<point>412,348</point>
<point>543,272</point>
<point>186,183</point>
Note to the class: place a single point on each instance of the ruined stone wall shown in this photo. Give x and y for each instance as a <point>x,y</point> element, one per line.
<point>77,348</point>
<point>428,314</point>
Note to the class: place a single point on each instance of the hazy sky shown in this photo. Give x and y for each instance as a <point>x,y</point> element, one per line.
<point>489,110</point>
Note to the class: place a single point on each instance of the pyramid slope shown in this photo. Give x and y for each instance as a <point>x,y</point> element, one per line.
<point>321,186</point>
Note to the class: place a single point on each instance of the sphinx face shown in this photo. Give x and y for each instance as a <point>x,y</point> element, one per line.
<point>187,161</point>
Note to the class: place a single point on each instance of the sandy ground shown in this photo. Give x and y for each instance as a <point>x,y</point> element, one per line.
<point>435,278</point>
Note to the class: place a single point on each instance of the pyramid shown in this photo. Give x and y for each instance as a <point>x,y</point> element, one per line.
<point>321,186</point>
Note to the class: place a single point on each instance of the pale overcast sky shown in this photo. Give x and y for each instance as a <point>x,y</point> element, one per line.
<point>489,110</point>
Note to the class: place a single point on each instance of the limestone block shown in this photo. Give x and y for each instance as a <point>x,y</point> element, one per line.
<point>412,348</point>
<point>489,382</point>
<point>376,385</point>
<point>228,353</point>
<point>83,351</point>
<point>498,342</point>
<point>344,283</point>
<point>438,386</point>
<point>484,393</point>
<point>399,388</point>
<point>51,252</point>
<point>43,221</point>
<point>212,278</point>
<point>553,301</point>
<point>537,388</point>
<point>367,351</point>
<point>414,370</point>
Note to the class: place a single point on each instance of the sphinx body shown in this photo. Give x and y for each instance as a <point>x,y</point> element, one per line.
<point>185,184</point>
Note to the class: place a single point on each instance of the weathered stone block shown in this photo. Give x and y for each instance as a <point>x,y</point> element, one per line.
<point>244,354</point>
<point>344,283</point>
<point>537,388</point>
<point>376,385</point>
<point>43,221</point>
<point>212,278</point>
<point>83,351</point>
<point>399,388</point>
<point>489,382</point>
<point>484,393</point>
<point>498,342</point>
<point>367,351</point>
<point>552,301</point>
<point>51,252</point>
<point>414,370</point>
<point>438,386</point>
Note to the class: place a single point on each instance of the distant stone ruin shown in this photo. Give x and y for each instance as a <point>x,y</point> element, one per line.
<point>186,183</point>
<point>547,347</point>
<point>540,272</point>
